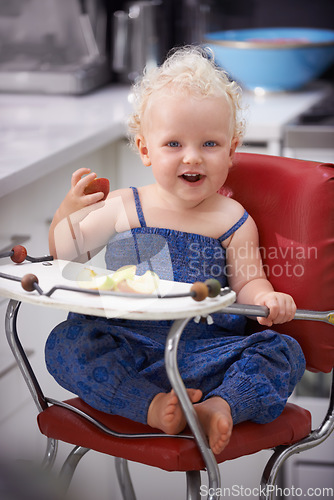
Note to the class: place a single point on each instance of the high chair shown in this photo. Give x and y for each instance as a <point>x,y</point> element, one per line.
<point>292,202</point>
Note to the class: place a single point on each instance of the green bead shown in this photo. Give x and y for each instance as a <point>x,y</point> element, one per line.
<point>214,287</point>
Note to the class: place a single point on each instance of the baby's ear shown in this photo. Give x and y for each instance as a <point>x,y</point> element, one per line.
<point>234,145</point>
<point>143,150</point>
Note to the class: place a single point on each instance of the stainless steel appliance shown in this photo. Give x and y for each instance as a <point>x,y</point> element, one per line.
<point>144,30</point>
<point>75,46</point>
<point>53,46</point>
<point>138,38</point>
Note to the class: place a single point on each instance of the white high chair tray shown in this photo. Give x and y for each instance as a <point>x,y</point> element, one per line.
<point>60,272</point>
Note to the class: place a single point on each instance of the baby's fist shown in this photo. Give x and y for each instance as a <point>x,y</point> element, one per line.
<point>282,308</point>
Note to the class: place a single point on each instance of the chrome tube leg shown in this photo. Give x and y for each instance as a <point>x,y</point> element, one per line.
<point>271,471</point>
<point>124,479</point>
<point>20,356</point>
<point>193,484</point>
<point>69,466</point>
<point>190,414</point>
<point>50,453</point>
<point>28,375</point>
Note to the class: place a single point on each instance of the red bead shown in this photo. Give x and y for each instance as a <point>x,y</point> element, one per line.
<point>19,254</point>
<point>28,281</point>
<point>200,291</point>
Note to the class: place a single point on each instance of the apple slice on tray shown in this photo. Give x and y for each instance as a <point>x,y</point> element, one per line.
<point>147,283</point>
<point>122,280</point>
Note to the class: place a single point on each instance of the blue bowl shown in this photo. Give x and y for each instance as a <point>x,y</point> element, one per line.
<point>273,59</point>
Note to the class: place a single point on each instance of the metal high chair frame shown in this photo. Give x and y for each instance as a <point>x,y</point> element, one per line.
<point>281,453</point>
<point>279,456</point>
<point>308,438</point>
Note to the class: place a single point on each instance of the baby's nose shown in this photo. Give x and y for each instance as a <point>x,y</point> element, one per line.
<point>192,155</point>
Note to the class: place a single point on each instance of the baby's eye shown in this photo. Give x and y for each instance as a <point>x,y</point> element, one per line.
<point>173,144</point>
<point>210,144</point>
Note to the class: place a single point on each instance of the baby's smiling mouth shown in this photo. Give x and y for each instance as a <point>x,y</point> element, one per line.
<point>192,177</point>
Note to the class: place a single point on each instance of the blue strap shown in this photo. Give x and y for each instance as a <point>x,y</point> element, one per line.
<point>234,227</point>
<point>138,207</point>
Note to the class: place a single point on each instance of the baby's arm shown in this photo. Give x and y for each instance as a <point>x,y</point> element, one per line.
<point>248,280</point>
<point>78,225</point>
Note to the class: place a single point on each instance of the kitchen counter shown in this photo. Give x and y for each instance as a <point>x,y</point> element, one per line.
<point>267,114</point>
<point>40,133</point>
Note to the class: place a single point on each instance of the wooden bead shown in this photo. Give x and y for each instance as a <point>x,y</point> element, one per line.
<point>214,287</point>
<point>28,281</point>
<point>200,291</point>
<point>19,254</point>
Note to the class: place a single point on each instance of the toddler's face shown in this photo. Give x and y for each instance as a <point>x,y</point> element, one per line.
<point>187,141</point>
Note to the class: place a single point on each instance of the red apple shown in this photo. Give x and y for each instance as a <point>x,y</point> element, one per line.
<point>98,185</point>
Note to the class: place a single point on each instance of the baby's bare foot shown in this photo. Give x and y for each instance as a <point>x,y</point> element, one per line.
<point>215,416</point>
<point>165,412</point>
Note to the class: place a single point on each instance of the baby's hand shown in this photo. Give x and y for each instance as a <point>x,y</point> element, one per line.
<point>76,198</point>
<point>281,305</point>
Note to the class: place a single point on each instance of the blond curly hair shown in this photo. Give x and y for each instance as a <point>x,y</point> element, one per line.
<point>190,69</point>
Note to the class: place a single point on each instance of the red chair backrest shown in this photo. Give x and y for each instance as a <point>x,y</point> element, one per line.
<point>292,203</point>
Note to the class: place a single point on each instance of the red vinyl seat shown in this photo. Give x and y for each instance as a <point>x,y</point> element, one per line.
<point>292,202</point>
<point>169,454</point>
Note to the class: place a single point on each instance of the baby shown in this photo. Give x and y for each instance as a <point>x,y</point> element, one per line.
<point>186,128</point>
